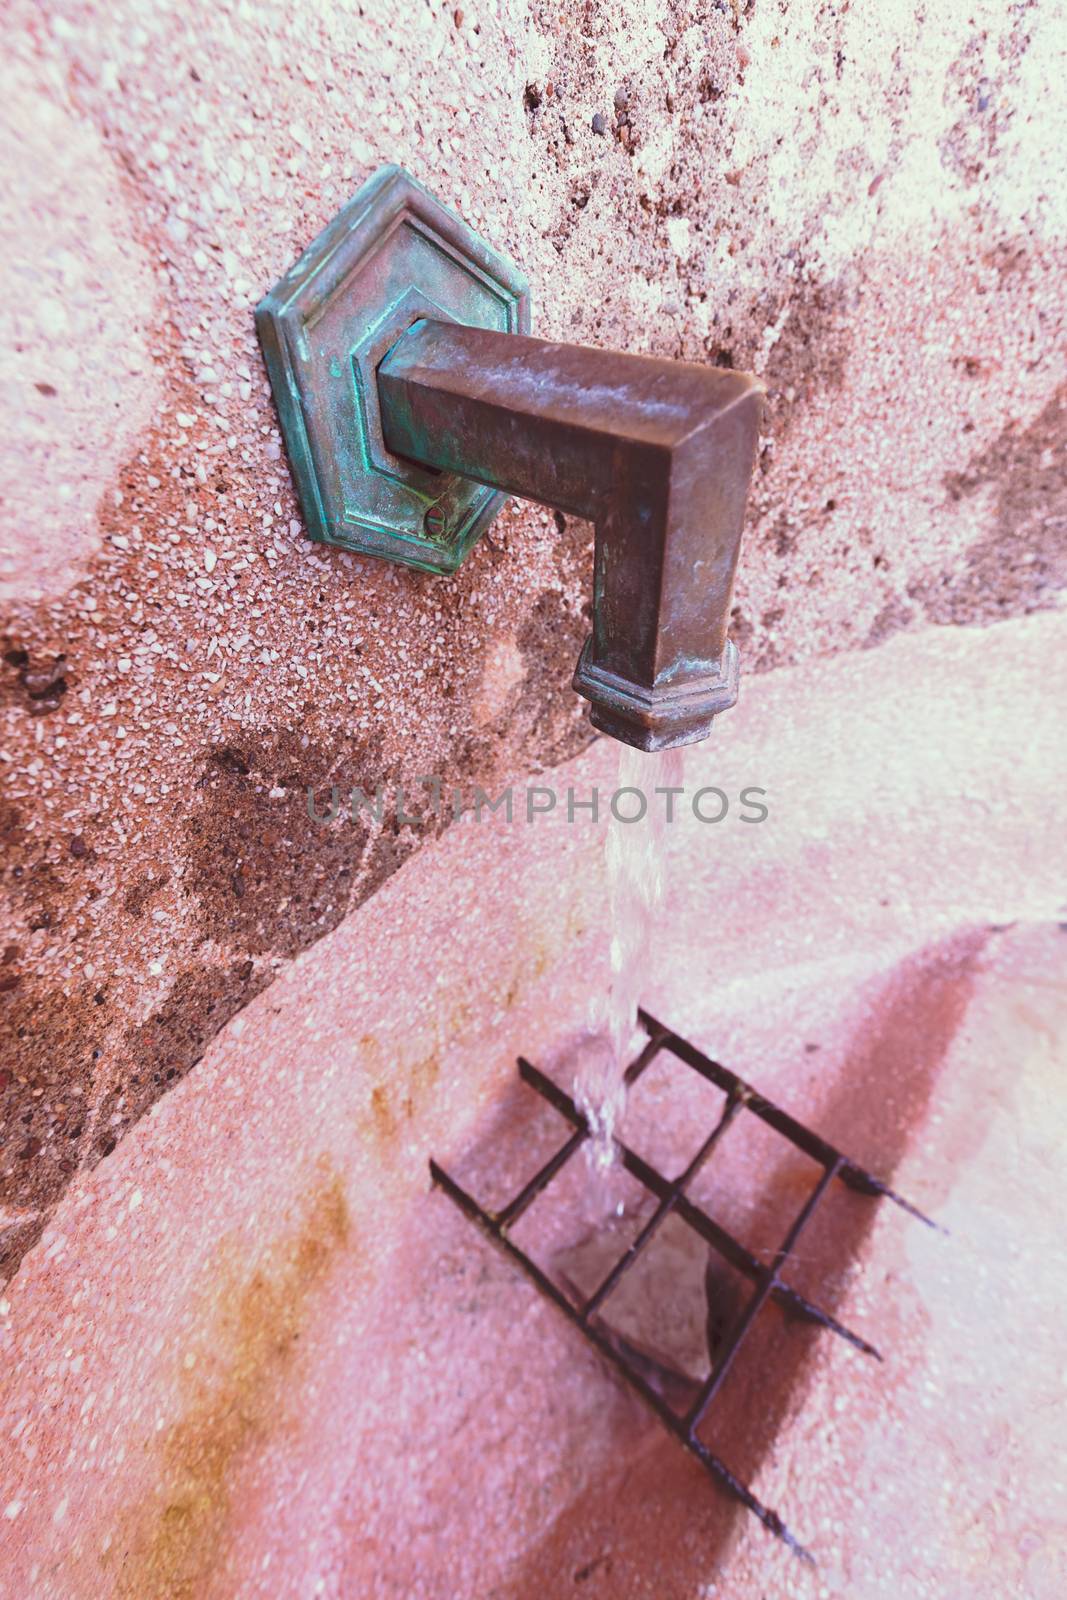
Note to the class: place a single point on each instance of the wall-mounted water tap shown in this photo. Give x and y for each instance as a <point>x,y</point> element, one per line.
<point>411,401</point>
<point>656,453</point>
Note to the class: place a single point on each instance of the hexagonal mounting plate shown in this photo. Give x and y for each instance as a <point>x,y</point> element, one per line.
<point>393,254</point>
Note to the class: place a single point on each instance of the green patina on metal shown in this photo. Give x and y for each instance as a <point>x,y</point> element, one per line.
<point>413,402</point>
<point>392,256</point>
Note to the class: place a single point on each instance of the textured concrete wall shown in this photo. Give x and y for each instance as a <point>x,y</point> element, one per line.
<point>855,200</point>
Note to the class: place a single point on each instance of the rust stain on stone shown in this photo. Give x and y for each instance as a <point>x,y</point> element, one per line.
<point>399,1095</point>
<point>382,1112</point>
<point>234,1399</point>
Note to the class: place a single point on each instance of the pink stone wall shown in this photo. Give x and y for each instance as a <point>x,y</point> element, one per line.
<point>858,201</point>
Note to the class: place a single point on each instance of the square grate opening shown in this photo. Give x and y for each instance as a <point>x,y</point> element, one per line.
<point>765,1273</point>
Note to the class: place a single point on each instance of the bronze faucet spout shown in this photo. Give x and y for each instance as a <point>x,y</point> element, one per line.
<point>657,454</point>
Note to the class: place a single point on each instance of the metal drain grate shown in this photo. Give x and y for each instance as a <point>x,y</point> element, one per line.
<point>672,1196</point>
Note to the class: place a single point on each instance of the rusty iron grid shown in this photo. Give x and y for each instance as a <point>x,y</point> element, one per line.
<point>671,1196</point>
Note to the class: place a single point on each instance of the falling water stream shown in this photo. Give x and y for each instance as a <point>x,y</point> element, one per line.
<point>634,858</point>
<point>664,1314</point>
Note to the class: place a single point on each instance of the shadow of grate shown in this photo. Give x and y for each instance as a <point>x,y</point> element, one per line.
<point>763,1278</point>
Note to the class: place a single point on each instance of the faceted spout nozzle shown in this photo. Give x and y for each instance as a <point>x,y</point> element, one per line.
<point>664,716</point>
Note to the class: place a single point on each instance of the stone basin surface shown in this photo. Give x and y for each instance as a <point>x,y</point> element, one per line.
<point>255,1355</point>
